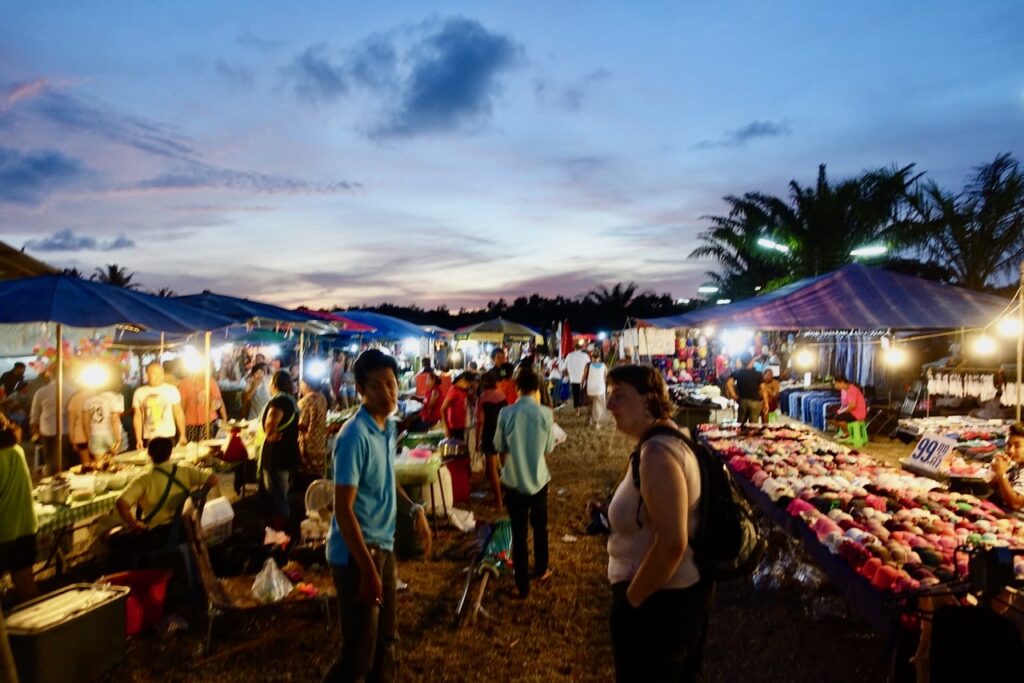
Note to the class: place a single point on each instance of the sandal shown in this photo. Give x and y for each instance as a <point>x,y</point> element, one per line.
<point>546,576</point>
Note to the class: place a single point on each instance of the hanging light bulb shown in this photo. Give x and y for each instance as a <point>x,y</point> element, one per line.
<point>93,376</point>
<point>895,356</point>
<point>1008,326</point>
<point>804,359</point>
<point>984,345</point>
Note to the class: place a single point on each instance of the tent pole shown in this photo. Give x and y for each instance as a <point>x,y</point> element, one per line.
<point>302,351</point>
<point>1020,339</point>
<point>160,357</point>
<point>206,384</point>
<point>60,396</point>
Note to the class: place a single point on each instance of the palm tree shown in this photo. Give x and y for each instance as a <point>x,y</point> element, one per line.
<point>73,272</point>
<point>165,292</point>
<point>979,232</point>
<point>824,223</point>
<point>732,240</point>
<point>115,275</point>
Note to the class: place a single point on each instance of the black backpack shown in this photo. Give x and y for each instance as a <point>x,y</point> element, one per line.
<point>728,543</point>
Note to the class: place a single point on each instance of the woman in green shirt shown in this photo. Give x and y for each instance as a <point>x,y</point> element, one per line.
<point>17,517</point>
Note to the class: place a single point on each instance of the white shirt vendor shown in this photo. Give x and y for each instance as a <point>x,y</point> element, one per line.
<point>157,406</point>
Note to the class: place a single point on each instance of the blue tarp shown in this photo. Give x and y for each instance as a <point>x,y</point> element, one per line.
<point>385,326</point>
<point>84,303</point>
<point>854,297</point>
<point>241,310</point>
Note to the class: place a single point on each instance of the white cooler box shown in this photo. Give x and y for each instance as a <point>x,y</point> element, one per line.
<point>216,520</point>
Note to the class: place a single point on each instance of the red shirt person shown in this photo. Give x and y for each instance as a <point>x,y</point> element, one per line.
<point>454,410</point>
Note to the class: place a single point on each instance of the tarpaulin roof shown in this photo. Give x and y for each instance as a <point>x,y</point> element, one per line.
<point>84,303</point>
<point>498,330</point>
<point>854,297</point>
<point>385,326</point>
<point>241,310</point>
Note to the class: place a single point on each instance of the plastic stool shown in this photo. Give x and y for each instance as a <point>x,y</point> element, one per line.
<point>858,432</point>
<point>774,417</point>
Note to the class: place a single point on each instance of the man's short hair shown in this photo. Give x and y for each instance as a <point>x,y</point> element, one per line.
<point>527,380</point>
<point>840,378</point>
<point>159,449</point>
<point>745,358</point>
<point>156,363</point>
<point>258,367</point>
<point>467,375</point>
<point>8,438</point>
<point>496,350</point>
<point>370,360</point>
<point>1017,429</point>
<point>19,364</point>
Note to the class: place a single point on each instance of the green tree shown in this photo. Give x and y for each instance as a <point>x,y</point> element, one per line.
<point>115,275</point>
<point>977,233</point>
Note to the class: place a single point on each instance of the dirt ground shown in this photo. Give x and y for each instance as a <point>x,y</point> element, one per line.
<point>760,631</point>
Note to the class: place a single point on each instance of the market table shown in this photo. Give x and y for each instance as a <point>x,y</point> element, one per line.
<point>56,519</point>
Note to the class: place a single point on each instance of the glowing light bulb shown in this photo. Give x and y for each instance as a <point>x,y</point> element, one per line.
<point>984,345</point>
<point>93,376</point>
<point>1008,326</point>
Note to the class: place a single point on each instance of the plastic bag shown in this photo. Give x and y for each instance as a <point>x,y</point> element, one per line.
<point>560,434</point>
<point>461,519</point>
<point>271,585</point>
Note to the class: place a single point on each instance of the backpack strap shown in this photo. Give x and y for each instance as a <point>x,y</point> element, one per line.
<point>634,457</point>
<point>172,479</point>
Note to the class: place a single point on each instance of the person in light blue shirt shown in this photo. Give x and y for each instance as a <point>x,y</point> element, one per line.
<point>524,436</point>
<point>362,537</point>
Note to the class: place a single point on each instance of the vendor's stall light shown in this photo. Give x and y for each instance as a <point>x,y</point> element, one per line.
<point>874,250</point>
<point>1008,326</point>
<point>895,356</point>
<point>757,289</point>
<point>273,351</point>
<point>316,369</point>
<point>707,289</point>
<point>737,341</point>
<point>804,359</point>
<point>722,302</point>
<point>410,346</point>
<point>191,360</point>
<point>601,336</point>
<point>225,349</point>
<point>353,348</point>
<point>984,345</point>
<point>93,376</point>
<point>682,302</point>
<point>769,244</point>
<point>709,331</point>
<point>456,357</point>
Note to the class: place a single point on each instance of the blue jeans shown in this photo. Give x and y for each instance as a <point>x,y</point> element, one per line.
<point>277,484</point>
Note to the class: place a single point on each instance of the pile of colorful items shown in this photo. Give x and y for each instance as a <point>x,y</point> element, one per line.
<point>899,531</point>
<point>976,438</point>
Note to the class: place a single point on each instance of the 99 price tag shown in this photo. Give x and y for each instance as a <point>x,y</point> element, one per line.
<point>932,451</point>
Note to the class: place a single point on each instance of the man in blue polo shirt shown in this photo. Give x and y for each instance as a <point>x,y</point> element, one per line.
<point>362,537</point>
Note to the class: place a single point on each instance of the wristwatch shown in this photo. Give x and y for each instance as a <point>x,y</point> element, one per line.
<point>416,507</point>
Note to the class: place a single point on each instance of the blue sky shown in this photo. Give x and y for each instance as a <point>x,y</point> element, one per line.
<point>340,153</point>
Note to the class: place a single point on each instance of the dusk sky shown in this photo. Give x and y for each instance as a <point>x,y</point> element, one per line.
<point>340,153</point>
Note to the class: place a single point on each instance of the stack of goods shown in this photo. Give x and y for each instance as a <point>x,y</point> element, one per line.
<point>976,438</point>
<point>809,406</point>
<point>898,531</point>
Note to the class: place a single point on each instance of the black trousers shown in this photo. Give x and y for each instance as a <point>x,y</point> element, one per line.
<point>368,631</point>
<point>527,512</point>
<point>662,640</point>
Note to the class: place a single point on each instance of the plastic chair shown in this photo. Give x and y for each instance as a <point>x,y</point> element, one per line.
<point>858,433</point>
<point>774,417</point>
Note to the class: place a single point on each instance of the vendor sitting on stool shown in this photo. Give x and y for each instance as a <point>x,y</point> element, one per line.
<point>853,409</point>
<point>1008,470</point>
<point>158,493</point>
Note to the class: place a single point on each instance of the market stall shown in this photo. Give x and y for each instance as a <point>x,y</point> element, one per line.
<point>880,534</point>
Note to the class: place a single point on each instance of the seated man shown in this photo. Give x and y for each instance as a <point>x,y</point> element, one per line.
<point>1008,470</point>
<point>158,493</point>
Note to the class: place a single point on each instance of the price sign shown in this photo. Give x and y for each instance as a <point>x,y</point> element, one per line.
<point>931,451</point>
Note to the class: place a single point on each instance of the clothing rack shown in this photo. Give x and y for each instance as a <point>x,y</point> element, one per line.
<point>838,334</point>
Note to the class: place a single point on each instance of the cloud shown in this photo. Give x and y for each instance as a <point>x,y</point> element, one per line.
<point>573,94</point>
<point>28,178</point>
<point>751,131</point>
<point>316,78</point>
<point>239,77</point>
<point>67,240</point>
<point>453,79</point>
<point>374,64</point>
<point>25,90</point>
<point>250,40</point>
<point>196,175</point>
<point>153,138</point>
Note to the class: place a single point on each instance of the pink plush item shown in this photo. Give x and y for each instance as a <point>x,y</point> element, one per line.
<point>876,502</point>
<point>798,506</point>
<point>913,557</point>
<point>759,478</point>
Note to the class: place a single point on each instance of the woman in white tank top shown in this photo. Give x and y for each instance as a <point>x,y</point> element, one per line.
<point>660,606</point>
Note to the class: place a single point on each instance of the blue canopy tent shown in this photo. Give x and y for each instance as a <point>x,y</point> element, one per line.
<point>855,297</point>
<point>386,326</point>
<point>66,300</point>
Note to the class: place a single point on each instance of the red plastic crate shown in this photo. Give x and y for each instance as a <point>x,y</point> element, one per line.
<point>148,591</point>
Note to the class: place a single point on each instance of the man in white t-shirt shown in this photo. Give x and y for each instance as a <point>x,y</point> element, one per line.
<point>157,409</point>
<point>101,417</point>
<point>575,365</point>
